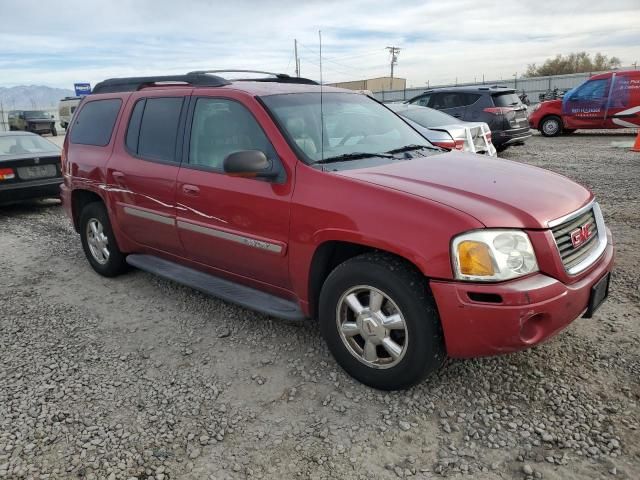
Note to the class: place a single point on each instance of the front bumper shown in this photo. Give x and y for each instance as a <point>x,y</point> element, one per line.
<point>16,192</point>
<point>529,311</point>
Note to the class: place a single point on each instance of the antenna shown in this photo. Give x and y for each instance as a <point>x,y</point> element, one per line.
<point>321,111</point>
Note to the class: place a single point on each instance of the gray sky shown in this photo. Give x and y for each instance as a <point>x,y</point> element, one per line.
<point>59,43</point>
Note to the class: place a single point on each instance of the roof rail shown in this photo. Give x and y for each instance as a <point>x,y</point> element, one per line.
<point>274,77</point>
<point>131,84</point>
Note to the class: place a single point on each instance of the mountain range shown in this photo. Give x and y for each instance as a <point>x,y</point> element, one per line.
<point>31,97</point>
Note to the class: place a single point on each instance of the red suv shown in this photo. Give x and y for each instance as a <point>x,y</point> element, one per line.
<point>303,201</point>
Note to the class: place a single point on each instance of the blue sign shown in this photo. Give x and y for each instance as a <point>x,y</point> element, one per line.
<point>82,89</point>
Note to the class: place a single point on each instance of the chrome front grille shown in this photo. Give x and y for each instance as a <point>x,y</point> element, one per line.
<point>577,258</point>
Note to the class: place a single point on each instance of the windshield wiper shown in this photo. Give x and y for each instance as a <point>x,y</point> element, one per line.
<point>408,148</point>
<point>352,156</point>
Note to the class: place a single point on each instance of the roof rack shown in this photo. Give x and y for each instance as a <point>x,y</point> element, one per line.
<point>274,77</point>
<point>131,84</point>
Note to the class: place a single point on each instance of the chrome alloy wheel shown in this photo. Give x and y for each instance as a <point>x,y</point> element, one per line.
<point>97,241</point>
<point>372,327</point>
<point>551,126</point>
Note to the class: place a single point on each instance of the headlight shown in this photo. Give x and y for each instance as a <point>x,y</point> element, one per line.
<point>492,255</point>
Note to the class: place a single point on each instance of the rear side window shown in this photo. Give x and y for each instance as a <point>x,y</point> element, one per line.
<point>506,100</point>
<point>471,98</point>
<point>94,124</point>
<point>153,128</point>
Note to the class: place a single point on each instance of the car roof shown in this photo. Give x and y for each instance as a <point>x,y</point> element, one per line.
<point>273,84</point>
<point>262,89</point>
<point>473,89</point>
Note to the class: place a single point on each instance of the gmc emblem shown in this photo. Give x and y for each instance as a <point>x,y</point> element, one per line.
<point>580,235</point>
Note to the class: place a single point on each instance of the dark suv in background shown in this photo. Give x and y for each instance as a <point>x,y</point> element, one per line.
<point>36,121</point>
<point>499,107</point>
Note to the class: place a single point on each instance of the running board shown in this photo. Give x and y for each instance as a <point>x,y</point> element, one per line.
<point>224,289</point>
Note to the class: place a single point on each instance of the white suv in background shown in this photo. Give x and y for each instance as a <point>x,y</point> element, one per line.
<point>66,107</point>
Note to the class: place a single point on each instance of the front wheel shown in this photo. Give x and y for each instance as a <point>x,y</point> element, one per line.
<point>98,242</point>
<point>380,322</point>
<point>551,126</point>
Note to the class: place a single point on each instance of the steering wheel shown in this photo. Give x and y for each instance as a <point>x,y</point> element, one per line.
<point>352,133</point>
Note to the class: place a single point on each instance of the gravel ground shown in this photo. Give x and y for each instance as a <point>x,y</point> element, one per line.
<point>136,377</point>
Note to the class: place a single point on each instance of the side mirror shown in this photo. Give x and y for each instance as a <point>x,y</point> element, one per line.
<point>249,163</point>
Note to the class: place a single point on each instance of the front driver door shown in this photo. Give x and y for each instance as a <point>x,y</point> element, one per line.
<point>239,226</point>
<point>585,106</point>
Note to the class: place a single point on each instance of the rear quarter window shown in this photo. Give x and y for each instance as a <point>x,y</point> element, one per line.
<point>94,123</point>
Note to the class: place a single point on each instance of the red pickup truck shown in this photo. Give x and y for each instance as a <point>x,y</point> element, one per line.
<point>607,100</point>
<point>303,201</point>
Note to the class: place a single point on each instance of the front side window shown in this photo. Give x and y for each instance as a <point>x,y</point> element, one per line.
<point>347,124</point>
<point>221,127</point>
<point>591,90</point>
<point>94,124</point>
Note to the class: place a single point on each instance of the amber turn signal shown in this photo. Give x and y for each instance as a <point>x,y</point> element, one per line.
<point>475,259</point>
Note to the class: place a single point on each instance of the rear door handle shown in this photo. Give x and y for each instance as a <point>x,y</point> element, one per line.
<point>191,190</point>
<point>118,177</point>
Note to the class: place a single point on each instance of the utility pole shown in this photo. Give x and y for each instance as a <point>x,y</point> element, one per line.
<point>295,49</point>
<point>394,51</point>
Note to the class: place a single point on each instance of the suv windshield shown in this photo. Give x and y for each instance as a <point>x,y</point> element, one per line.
<point>506,100</point>
<point>36,114</point>
<point>354,125</point>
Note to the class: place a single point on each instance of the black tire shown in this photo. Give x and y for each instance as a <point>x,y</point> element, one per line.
<point>551,126</point>
<point>424,350</point>
<point>54,132</point>
<point>501,148</point>
<point>12,129</point>
<point>115,264</point>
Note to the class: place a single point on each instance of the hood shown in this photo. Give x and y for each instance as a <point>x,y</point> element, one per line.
<point>497,192</point>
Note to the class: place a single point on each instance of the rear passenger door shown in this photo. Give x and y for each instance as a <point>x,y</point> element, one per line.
<point>453,103</point>
<point>142,172</point>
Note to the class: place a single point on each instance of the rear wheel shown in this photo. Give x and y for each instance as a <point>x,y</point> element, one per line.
<point>551,126</point>
<point>380,322</point>
<point>98,242</point>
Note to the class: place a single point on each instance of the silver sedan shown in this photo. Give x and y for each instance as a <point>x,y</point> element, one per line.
<point>446,131</point>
